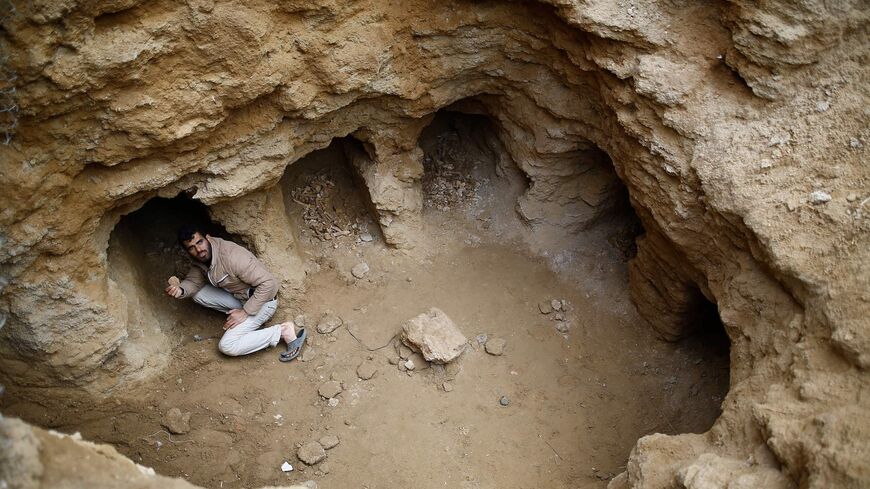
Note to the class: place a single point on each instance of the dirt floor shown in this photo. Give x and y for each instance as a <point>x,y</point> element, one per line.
<point>579,391</point>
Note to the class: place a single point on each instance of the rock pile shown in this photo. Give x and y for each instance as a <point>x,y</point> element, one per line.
<point>557,310</point>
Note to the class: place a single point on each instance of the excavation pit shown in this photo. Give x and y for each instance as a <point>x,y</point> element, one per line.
<point>581,384</point>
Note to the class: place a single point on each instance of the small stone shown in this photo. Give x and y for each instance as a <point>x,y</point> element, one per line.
<point>332,402</point>
<point>366,370</point>
<point>556,304</point>
<point>198,337</point>
<point>545,307</point>
<point>328,323</point>
<point>409,365</point>
<point>563,327</point>
<point>393,359</point>
<point>855,143</point>
<point>176,422</point>
<point>366,237</point>
<point>299,320</point>
<point>559,316</point>
<point>823,106</point>
<point>447,386</point>
<point>852,197</point>
<point>765,164</point>
<point>504,401</point>
<point>330,389</point>
<point>336,376</point>
<point>308,354</point>
<point>328,441</point>
<point>481,339</point>
<point>311,453</point>
<point>819,197</point>
<point>496,346</point>
<point>360,270</point>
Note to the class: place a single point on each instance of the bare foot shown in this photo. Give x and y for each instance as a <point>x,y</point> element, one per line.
<point>288,331</point>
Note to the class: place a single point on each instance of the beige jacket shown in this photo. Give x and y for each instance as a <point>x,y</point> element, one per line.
<point>235,270</point>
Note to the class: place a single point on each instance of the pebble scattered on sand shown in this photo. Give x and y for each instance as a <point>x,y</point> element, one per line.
<point>329,441</point>
<point>328,323</point>
<point>496,346</point>
<point>367,370</point>
<point>819,197</point>
<point>176,422</point>
<point>330,389</point>
<point>360,270</point>
<point>311,453</point>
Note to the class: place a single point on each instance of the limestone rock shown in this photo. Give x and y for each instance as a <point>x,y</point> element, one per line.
<point>328,441</point>
<point>819,197</point>
<point>330,389</point>
<point>360,270</point>
<point>329,323</point>
<point>311,453</point>
<point>495,346</point>
<point>435,336</point>
<point>367,370</point>
<point>176,422</point>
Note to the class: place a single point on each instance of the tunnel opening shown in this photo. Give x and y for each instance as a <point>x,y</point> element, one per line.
<point>325,198</point>
<point>143,252</point>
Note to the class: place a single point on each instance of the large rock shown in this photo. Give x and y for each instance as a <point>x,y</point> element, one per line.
<point>435,336</point>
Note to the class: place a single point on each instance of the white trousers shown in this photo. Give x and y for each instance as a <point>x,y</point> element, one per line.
<point>246,337</point>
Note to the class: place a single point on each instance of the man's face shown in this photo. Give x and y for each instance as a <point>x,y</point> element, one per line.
<point>198,247</point>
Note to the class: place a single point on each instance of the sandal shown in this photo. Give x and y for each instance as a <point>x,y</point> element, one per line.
<point>294,348</point>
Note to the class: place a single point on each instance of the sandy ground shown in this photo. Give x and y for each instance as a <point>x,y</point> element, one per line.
<point>577,400</point>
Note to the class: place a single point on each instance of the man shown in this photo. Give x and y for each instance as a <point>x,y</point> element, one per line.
<point>227,277</point>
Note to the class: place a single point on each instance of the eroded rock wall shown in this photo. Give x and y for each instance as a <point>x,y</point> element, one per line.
<point>739,130</point>
<point>33,458</point>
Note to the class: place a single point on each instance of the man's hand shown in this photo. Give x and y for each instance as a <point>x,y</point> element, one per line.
<point>235,318</point>
<point>174,291</point>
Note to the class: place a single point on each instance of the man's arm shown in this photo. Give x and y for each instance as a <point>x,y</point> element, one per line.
<point>194,281</point>
<point>251,271</point>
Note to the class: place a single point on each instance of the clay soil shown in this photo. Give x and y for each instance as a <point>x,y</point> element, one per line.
<point>578,400</point>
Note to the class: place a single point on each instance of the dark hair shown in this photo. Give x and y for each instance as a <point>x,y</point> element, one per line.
<point>186,232</point>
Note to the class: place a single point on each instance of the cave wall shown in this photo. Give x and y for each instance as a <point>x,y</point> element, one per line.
<point>724,121</point>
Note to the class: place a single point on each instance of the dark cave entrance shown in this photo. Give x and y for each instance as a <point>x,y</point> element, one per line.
<point>144,252</point>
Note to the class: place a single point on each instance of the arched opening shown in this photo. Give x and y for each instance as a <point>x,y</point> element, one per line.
<point>143,253</point>
<point>326,200</point>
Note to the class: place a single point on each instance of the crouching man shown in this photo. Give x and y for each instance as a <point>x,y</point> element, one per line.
<point>227,277</point>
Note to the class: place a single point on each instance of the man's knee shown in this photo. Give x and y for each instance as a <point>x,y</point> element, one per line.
<point>229,347</point>
<point>201,297</point>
